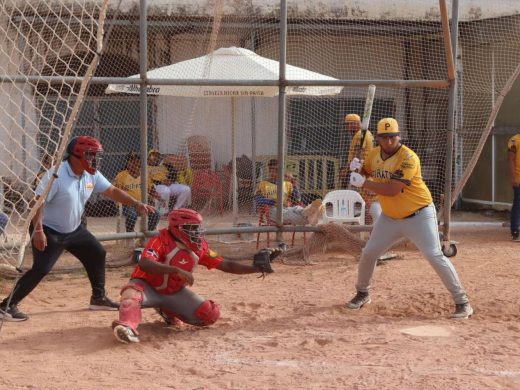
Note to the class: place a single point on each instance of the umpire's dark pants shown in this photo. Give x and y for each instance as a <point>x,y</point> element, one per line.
<point>82,244</point>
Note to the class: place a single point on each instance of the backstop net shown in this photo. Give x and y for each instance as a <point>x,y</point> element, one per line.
<point>205,128</point>
<point>42,42</point>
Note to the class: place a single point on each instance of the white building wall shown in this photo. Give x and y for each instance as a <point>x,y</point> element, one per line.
<point>17,115</point>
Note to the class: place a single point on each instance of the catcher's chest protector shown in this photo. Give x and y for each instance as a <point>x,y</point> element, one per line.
<point>180,257</point>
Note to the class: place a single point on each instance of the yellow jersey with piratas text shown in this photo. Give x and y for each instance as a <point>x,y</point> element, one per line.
<point>513,146</point>
<point>269,191</point>
<point>132,185</point>
<point>403,165</point>
<point>368,145</point>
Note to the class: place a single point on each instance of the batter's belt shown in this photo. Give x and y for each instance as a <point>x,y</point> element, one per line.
<point>415,212</point>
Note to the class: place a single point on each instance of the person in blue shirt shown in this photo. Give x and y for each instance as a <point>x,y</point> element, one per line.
<point>4,219</point>
<point>57,227</point>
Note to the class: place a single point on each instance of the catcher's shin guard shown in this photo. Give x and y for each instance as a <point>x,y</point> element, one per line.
<point>207,313</point>
<point>130,307</point>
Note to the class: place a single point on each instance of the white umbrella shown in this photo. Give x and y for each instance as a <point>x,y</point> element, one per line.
<point>231,63</point>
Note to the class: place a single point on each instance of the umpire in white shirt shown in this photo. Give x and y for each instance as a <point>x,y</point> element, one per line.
<point>56,226</point>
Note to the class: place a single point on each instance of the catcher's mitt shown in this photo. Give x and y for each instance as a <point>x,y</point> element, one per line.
<point>262,259</point>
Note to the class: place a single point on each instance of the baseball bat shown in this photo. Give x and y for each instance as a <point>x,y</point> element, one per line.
<point>369,102</point>
<point>365,122</point>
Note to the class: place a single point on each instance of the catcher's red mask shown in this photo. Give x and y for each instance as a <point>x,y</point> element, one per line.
<point>186,226</point>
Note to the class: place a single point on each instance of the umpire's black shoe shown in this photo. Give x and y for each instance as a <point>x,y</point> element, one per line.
<point>361,299</point>
<point>12,313</point>
<point>103,303</point>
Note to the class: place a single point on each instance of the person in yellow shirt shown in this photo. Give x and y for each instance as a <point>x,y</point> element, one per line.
<point>513,159</point>
<point>353,123</point>
<point>156,171</point>
<point>393,172</point>
<point>129,180</point>
<point>168,182</point>
<point>292,212</point>
<point>353,128</point>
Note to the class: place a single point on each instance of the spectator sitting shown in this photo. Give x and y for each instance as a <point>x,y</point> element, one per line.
<point>266,194</point>
<point>156,171</point>
<point>172,187</point>
<point>180,164</point>
<point>129,180</point>
<point>170,181</point>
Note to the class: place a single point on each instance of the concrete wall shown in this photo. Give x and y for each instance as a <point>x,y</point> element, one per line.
<point>353,9</point>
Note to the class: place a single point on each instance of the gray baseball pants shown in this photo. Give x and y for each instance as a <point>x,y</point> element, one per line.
<point>422,230</point>
<point>183,303</point>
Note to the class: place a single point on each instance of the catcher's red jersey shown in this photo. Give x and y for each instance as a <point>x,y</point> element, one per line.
<point>165,249</point>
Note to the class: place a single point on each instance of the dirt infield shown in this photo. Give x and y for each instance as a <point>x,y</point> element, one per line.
<point>289,331</point>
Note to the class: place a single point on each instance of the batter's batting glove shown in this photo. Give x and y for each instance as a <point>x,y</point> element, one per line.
<point>355,164</point>
<point>357,180</point>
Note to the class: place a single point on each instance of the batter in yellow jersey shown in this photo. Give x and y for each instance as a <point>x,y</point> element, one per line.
<point>403,166</point>
<point>393,172</point>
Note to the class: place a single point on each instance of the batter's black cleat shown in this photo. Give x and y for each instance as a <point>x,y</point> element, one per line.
<point>462,311</point>
<point>361,299</point>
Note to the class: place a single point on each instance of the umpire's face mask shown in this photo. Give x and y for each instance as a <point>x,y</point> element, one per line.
<point>90,162</point>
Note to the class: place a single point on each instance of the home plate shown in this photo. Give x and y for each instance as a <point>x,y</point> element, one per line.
<point>427,331</point>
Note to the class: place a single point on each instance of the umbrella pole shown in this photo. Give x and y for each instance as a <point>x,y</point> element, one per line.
<point>253,152</point>
<point>234,162</point>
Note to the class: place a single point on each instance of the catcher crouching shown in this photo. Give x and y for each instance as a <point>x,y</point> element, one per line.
<point>164,272</point>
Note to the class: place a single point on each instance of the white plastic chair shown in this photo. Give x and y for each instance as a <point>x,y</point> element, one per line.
<point>347,207</point>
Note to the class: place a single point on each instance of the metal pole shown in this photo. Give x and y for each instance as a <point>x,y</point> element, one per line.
<point>143,105</point>
<point>234,184</point>
<point>450,131</point>
<point>399,84</point>
<point>493,140</point>
<point>253,151</point>
<point>253,136</point>
<point>23,113</point>
<point>281,115</point>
